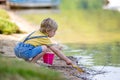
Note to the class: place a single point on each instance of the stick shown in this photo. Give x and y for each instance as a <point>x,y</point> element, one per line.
<point>78,68</point>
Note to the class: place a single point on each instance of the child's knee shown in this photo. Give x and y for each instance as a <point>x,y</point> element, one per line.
<point>44,48</point>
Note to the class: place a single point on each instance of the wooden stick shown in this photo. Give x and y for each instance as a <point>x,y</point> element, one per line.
<point>78,68</point>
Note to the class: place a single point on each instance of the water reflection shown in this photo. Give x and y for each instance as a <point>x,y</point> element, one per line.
<point>100,57</point>
<point>102,54</point>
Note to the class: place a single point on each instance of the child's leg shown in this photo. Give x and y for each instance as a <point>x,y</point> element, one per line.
<point>44,49</point>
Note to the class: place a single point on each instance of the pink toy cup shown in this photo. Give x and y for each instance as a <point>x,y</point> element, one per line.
<point>48,58</point>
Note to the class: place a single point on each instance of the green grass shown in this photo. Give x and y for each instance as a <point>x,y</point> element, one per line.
<point>13,69</point>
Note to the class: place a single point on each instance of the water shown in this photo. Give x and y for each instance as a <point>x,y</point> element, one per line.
<point>103,58</point>
<point>113,73</point>
<point>113,4</point>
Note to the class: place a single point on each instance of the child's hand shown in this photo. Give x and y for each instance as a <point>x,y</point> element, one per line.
<point>69,62</point>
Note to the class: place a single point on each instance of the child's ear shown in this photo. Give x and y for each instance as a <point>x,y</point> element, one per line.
<point>47,31</point>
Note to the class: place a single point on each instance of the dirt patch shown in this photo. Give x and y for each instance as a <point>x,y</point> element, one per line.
<point>69,72</point>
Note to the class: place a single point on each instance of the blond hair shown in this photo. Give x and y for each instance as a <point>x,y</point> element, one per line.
<point>48,24</point>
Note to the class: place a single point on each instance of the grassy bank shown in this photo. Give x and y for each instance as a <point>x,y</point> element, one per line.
<point>13,69</point>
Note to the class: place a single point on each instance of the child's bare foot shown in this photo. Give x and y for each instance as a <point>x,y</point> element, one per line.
<point>40,63</point>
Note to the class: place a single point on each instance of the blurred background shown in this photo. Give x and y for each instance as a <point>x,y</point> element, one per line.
<point>88,29</point>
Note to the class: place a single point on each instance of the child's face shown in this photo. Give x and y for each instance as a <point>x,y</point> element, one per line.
<point>51,33</point>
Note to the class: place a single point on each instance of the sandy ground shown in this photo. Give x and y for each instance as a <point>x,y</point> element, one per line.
<point>7,43</point>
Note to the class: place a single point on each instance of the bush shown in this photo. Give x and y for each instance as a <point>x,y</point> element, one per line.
<point>7,27</point>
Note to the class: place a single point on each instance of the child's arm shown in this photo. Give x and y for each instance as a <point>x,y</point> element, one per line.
<point>59,54</point>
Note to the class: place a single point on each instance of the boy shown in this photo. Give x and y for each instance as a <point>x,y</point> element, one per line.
<point>36,44</point>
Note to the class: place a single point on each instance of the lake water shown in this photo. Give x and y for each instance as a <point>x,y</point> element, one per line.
<point>112,73</point>
<point>99,57</point>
